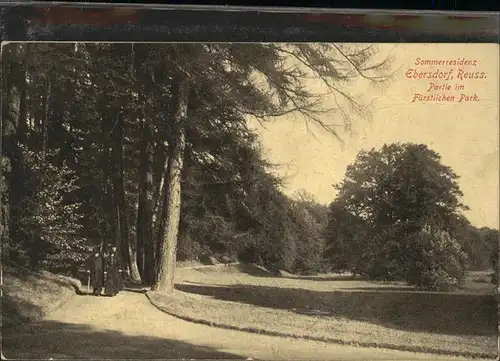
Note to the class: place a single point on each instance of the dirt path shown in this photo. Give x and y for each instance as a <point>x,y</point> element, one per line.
<point>128,326</point>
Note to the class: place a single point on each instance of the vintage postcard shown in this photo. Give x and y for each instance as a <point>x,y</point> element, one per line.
<point>272,201</point>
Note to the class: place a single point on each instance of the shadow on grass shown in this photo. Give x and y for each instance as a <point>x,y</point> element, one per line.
<point>18,272</point>
<point>329,278</point>
<point>16,311</point>
<point>252,270</point>
<point>452,314</point>
<point>256,271</point>
<point>46,339</point>
<point>78,288</point>
<point>409,289</point>
<point>383,289</point>
<point>44,280</point>
<point>18,307</point>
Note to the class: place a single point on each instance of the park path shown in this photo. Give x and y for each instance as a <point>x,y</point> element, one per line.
<point>129,327</point>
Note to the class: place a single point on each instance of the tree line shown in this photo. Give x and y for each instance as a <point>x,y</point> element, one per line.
<point>147,147</point>
<point>399,216</point>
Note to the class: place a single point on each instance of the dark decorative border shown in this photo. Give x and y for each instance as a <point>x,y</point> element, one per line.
<point>64,21</point>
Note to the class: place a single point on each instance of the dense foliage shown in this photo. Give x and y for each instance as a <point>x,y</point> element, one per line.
<point>142,145</point>
<point>398,216</point>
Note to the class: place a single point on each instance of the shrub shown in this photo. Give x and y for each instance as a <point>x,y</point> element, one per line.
<point>494,263</point>
<point>188,249</point>
<point>436,261</point>
<point>48,227</point>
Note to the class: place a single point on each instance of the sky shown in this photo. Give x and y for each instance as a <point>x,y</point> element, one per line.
<point>465,134</point>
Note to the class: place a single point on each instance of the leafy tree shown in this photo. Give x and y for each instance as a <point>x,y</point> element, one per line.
<point>344,236</point>
<point>395,193</point>
<point>479,244</point>
<point>50,221</point>
<point>309,219</point>
<point>491,237</point>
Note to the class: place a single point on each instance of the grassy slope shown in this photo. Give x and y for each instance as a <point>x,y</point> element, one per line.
<point>361,312</point>
<point>28,296</point>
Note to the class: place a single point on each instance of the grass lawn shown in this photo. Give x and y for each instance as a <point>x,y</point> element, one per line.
<point>339,309</point>
<point>28,296</point>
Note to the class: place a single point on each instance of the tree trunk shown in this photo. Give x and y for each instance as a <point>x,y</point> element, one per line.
<point>141,261</point>
<point>105,195</point>
<point>45,118</point>
<point>122,231</point>
<point>134,269</point>
<point>13,116</point>
<point>148,219</point>
<point>141,207</point>
<point>159,214</point>
<point>144,219</point>
<point>22,125</point>
<point>144,215</point>
<point>167,251</point>
<point>161,163</point>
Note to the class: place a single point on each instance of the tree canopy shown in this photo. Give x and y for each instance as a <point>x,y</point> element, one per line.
<point>146,147</point>
<point>398,215</point>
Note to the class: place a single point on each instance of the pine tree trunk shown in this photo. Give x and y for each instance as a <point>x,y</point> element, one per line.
<point>45,118</point>
<point>115,214</point>
<point>141,261</point>
<point>140,211</point>
<point>159,214</point>
<point>134,269</point>
<point>13,118</point>
<point>144,226</point>
<point>122,231</point>
<point>161,163</point>
<point>105,195</point>
<point>135,67</point>
<point>148,215</point>
<point>148,232</point>
<point>167,251</point>
<point>22,125</point>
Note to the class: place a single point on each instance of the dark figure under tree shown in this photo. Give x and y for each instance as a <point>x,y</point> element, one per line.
<point>113,278</point>
<point>96,266</point>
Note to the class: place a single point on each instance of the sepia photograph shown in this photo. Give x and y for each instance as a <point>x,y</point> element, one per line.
<point>252,201</point>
